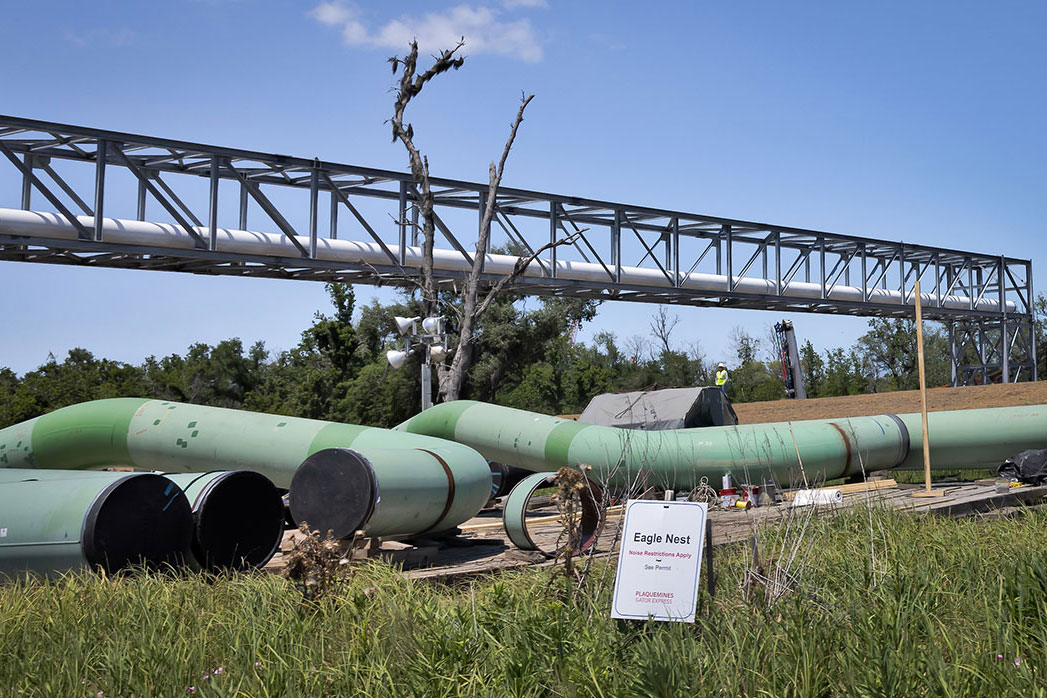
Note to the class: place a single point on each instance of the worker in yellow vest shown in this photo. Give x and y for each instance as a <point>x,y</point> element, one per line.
<point>721,377</point>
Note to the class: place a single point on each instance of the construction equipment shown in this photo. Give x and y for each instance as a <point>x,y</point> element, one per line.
<point>789,355</point>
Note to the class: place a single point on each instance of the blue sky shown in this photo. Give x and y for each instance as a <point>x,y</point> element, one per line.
<point>908,121</point>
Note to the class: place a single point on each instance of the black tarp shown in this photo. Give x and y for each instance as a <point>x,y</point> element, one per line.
<point>1029,467</point>
<point>656,410</point>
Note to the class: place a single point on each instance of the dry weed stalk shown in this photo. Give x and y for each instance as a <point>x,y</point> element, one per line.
<point>317,566</point>
<point>570,486</point>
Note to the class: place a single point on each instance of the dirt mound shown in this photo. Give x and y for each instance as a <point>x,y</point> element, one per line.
<point>938,400</point>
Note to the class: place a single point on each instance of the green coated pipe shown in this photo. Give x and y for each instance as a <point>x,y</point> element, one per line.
<point>674,459</point>
<point>372,486</point>
<point>238,518</point>
<point>514,514</point>
<point>176,437</point>
<point>976,438</point>
<point>58,521</point>
<point>678,459</point>
<point>514,510</point>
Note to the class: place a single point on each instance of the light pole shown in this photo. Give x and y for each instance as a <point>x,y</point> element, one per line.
<point>431,345</point>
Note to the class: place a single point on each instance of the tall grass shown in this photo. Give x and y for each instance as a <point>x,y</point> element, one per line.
<point>949,607</point>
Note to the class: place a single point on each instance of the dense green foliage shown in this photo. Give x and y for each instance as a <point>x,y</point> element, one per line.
<point>940,608</point>
<point>526,358</point>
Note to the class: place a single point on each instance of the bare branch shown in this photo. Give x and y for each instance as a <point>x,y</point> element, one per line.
<point>495,181</point>
<point>662,327</point>
<point>521,266</point>
<point>451,379</point>
<point>411,84</point>
<point>407,279</point>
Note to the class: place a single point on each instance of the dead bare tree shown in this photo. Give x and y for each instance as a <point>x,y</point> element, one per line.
<point>662,326</point>
<point>411,83</point>
<point>472,305</point>
<point>637,348</point>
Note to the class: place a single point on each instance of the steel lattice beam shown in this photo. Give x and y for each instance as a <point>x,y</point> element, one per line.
<point>684,258</point>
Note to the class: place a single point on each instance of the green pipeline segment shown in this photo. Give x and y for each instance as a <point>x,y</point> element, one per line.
<point>392,490</point>
<point>674,459</point>
<point>976,438</point>
<point>514,515</point>
<point>238,518</point>
<point>53,522</point>
<point>177,437</point>
<point>680,458</point>
<point>514,510</point>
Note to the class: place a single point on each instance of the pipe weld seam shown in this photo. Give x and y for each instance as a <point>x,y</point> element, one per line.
<point>905,438</point>
<point>450,490</point>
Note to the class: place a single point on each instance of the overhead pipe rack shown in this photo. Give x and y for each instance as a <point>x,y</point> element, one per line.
<point>86,187</point>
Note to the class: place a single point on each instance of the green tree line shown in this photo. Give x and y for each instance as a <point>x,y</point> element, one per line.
<point>527,358</point>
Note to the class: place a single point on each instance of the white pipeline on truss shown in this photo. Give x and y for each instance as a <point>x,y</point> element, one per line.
<point>35,224</point>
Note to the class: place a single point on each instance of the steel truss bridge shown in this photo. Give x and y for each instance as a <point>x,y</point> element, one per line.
<point>84,196</point>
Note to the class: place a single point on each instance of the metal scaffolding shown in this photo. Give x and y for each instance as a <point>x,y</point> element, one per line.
<point>92,181</point>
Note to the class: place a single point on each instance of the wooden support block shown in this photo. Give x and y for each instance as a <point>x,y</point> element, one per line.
<point>411,558</point>
<point>928,493</point>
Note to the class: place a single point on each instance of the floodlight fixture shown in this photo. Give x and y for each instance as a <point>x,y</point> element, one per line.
<point>406,324</point>
<point>396,357</point>
<point>431,325</point>
<point>437,352</point>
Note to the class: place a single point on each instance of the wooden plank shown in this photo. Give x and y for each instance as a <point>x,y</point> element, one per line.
<point>554,519</point>
<point>870,486</point>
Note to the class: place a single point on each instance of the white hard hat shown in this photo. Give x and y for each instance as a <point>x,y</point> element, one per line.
<point>721,365</point>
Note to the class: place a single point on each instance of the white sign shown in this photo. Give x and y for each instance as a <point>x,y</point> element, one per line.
<point>660,560</point>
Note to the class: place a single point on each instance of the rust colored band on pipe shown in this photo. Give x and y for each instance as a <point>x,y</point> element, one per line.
<point>450,489</point>
<point>846,445</point>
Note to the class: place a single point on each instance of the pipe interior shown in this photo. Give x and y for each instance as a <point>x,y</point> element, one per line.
<point>239,522</point>
<point>138,520</point>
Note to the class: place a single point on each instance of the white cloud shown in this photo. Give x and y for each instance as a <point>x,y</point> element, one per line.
<point>331,13</point>
<point>484,32</point>
<point>115,38</point>
<point>513,4</point>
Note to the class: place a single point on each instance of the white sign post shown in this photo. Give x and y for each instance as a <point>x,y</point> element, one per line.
<point>660,560</point>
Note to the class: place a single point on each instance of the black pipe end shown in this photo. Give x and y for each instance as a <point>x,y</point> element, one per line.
<point>141,519</point>
<point>239,521</point>
<point>334,490</point>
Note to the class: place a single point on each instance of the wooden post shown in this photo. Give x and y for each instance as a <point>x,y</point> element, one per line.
<point>927,491</point>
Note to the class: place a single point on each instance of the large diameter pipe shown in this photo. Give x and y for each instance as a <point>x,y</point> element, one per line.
<point>827,448</point>
<point>514,515</point>
<point>238,518</point>
<point>38,224</point>
<point>67,521</point>
<point>674,459</point>
<point>176,437</point>
<point>981,438</point>
<point>391,490</point>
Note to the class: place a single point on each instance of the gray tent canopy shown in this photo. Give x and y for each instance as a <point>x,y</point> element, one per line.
<point>656,410</point>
